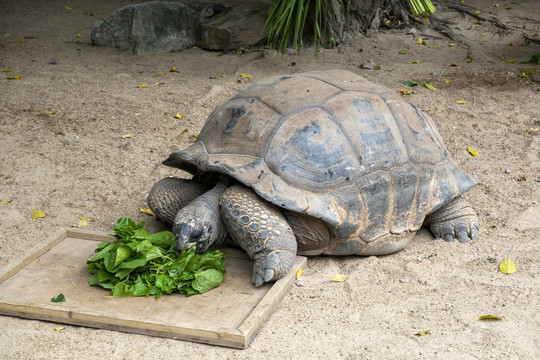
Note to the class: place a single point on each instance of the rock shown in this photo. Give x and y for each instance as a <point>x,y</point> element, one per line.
<point>240,27</point>
<point>368,64</point>
<point>155,26</point>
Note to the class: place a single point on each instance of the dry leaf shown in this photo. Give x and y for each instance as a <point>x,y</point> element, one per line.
<point>422,333</point>
<point>147,211</point>
<point>38,214</point>
<point>339,278</point>
<point>416,62</point>
<point>16,77</point>
<point>472,151</point>
<point>178,116</point>
<point>429,86</point>
<point>126,136</point>
<point>512,61</point>
<point>299,273</point>
<point>508,266</point>
<point>79,35</point>
<point>469,60</point>
<point>451,44</point>
<point>420,41</point>
<point>161,73</point>
<point>158,83</point>
<point>491,317</point>
<point>222,75</point>
<point>49,112</point>
<point>82,222</point>
<point>405,92</point>
<point>5,201</point>
<point>68,8</point>
<point>448,81</point>
<point>292,63</point>
<point>174,69</point>
<point>6,70</point>
<point>245,75</point>
<point>141,86</point>
<point>461,101</point>
<point>60,328</point>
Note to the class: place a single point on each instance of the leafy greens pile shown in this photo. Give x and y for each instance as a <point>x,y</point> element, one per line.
<point>138,263</point>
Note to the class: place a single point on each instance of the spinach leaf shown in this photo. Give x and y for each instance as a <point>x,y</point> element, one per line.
<point>138,263</point>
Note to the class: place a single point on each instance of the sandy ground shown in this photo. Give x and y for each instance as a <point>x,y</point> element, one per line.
<point>75,163</point>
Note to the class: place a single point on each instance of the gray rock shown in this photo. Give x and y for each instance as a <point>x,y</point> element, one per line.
<point>368,64</point>
<point>241,27</point>
<point>155,26</point>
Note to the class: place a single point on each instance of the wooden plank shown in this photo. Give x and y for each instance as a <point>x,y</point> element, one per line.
<point>35,252</point>
<point>229,315</point>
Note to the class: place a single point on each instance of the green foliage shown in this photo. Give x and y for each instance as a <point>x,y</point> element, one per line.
<point>419,6</point>
<point>287,18</point>
<point>140,264</point>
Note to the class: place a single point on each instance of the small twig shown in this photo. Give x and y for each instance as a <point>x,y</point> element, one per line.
<point>75,286</point>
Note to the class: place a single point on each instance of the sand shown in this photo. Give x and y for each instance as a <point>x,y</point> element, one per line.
<point>76,162</point>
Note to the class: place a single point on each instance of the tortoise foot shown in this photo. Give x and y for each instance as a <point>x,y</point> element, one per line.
<point>457,219</point>
<point>261,230</point>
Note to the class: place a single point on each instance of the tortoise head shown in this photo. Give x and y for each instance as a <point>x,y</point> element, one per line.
<point>193,233</point>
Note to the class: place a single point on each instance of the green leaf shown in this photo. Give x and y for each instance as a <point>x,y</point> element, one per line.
<point>206,280</point>
<point>140,264</point>
<point>491,317</point>
<point>59,298</point>
<point>411,83</point>
<point>535,59</point>
<point>404,52</point>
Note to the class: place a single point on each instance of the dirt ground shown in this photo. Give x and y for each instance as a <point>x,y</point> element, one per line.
<point>75,163</point>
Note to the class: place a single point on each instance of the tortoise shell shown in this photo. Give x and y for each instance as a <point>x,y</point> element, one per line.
<point>334,146</point>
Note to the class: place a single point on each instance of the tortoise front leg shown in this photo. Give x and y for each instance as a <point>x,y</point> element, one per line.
<point>169,195</point>
<point>261,230</point>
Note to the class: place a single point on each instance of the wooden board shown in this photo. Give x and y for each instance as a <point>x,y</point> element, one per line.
<point>229,315</point>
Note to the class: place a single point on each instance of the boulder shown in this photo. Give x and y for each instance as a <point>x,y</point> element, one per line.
<point>155,26</point>
<point>240,27</point>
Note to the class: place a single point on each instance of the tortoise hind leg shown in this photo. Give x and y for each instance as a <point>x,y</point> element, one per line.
<point>169,195</point>
<point>455,219</point>
<point>261,230</point>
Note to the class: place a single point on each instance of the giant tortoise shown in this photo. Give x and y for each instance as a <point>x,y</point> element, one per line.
<point>323,162</point>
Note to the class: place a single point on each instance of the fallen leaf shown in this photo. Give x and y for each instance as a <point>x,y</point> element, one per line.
<point>525,73</point>
<point>472,151</point>
<point>158,83</point>
<point>535,59</point>
<point>5,201</point>
<point>455,64</point>
<point>68,8</point>
<point>339,278</point>
<point>126,136</point>
<point>161,73</point>
<point>141,86</point>
<point>82,222</point>
<point>79,35</point>
<point>6,70</point>
<point>299,273</point>
<point>511,44</point>
<point>403,52</point>
<point>173,69</point>
<point>178,116</point>
<point>511,61</point>
<point>59,298</point>
<point>434,47</point>
<point>222,75</point>
<point>245,75</point>
<point>495,5</point>
<point>475,25</point>
<point>508,266</point>
<point>147,211</point>
<point>429,86</point>
<point>422,333</point>
<point>292,63</point>
<point>451,44</point>
<point>420,41</point>
<point>416,62</point>
<point>405,92</point>
<point>461,101</point>
<point>58,328</point>
<point>38,214</point>
<point>16,77</point>
<point>469,60</point>
<point>183,132</point>
<point>443,109</point>
<point>447,81</point>
<point>491,317</point>
<point>49,112</point>
<point>19,40</point>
